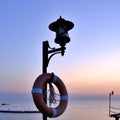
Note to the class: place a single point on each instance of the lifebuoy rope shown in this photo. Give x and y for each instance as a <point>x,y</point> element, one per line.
<point>52,91</point>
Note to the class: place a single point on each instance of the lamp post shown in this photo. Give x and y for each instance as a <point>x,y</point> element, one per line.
<point>61,28</point>
<point>110,96</point>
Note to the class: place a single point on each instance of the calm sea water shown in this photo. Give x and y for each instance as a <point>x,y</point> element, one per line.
<point>78,109</point>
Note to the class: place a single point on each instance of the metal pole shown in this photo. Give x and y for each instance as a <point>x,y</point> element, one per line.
<point>45,61</point>
<point>45,64</point>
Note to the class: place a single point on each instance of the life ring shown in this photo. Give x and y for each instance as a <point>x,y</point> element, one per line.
<point>37,93</point>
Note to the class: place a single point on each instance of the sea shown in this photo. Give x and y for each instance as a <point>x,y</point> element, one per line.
<point>79,107</point>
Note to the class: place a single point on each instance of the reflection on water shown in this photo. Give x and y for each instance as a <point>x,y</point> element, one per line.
<point>78,109</point>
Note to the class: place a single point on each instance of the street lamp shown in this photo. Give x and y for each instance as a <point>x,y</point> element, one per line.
<point>61,27</point>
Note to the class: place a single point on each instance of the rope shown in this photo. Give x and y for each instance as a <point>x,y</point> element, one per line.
<point>52,95</point>
<point>52,99</point>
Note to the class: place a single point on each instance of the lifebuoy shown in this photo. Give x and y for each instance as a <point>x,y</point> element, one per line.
<point>37,93</point>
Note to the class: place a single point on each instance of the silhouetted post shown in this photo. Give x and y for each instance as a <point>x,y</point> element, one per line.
<point>115,115</point>
<point>61,27</point>
<point>109,104</point>
<point>110,94</point>
<point>45,57</point>
<point>117,118</point>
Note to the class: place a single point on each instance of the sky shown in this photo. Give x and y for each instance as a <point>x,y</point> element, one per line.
<point>91,63</point>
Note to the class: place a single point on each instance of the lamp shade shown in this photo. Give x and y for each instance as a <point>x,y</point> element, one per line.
<point>61,27</point>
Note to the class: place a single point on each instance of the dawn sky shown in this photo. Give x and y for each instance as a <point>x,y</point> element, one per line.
<point>91,63</point>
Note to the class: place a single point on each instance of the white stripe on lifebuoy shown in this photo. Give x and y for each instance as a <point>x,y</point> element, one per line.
<point>54,79</point>
<point>37,93</point>
<point>54,112</point>
<point>64,97</point>
<point>37,90</point>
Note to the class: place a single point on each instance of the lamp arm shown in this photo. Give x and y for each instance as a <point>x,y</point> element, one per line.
<point>52,56</point>
<point>62,49</point>
<point>53,51</point>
